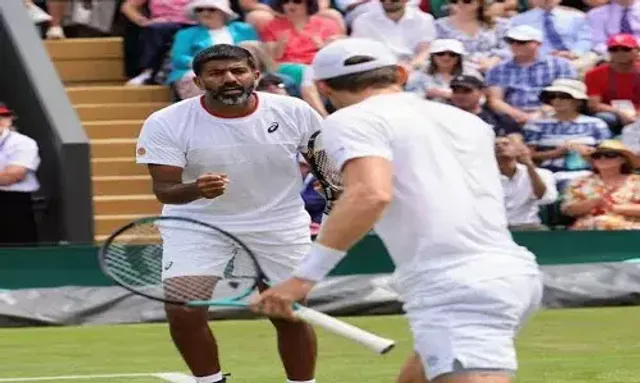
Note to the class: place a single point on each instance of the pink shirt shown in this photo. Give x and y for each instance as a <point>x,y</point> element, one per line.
<point>300,48</point>
<point>171,11</point>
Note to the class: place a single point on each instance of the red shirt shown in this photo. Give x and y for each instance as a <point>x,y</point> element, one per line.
<point>300,47</point>
<point>609,85</point>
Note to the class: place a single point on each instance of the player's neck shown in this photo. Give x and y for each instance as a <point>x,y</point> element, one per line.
<point>354,98</point>
<point>219,109</point>
<point>566,115</point>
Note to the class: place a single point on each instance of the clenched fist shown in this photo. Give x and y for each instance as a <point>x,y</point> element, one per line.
<point>212,185</point>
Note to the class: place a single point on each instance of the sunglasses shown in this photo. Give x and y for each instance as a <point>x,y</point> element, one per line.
<point>608,155</point>
<point>447,53</point>
<point>619,49</point>
<point>558,95</point>
<point>461,1</point>
<point>291,1</point>
<point>461,89</point>
<point>517,42</point>
<point>200,10</point>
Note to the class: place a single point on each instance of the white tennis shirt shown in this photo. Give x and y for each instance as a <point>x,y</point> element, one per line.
<point>19,150</point>
<point>257,152</point>
<point>447,221</point>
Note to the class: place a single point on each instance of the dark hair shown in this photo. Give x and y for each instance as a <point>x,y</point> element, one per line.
<point>312,6</point>
<point>457,69</point>
<point>356,82</point>
<point>221,52</point>
<point>269,79</point>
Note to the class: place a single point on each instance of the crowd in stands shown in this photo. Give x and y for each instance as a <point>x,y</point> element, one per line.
<point>559,81</point>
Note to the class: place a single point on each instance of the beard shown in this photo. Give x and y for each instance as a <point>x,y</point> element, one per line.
<point>240,97</point>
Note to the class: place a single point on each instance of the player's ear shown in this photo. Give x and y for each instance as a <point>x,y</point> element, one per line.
<point>198,81</point>
<point>256,75</point>
<point>401,75</point>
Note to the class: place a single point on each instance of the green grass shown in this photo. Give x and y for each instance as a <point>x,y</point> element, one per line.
<point>557,346</point>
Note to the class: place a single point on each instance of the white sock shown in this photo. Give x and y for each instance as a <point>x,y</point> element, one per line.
<point>301,381</point>
<point>215,378</point>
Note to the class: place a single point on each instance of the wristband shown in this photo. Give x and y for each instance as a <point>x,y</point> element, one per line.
<point>319,262</point>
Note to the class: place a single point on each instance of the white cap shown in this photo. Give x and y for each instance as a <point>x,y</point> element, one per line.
<point>222,5</point>
<point>447,45</point>
<point>524,33</point>
<point>330,60</point>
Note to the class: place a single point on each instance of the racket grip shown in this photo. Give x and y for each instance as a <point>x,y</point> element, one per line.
<point>373,342</point>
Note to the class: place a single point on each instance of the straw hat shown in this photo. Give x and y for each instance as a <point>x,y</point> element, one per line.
<point>617,147</point>
<point>575,88</point>
<point>222,5</point>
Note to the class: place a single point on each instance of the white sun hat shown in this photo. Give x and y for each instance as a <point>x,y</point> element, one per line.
<point>222,5</point>
<point>447,45</point>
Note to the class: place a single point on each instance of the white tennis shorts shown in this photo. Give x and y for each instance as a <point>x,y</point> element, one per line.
<point>202,254</point>
<point>472,328</point>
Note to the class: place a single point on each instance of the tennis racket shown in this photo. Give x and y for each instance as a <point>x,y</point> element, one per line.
<point>324,168</point>
<point>133,258</point>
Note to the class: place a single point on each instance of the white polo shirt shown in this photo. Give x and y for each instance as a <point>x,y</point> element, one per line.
<point>521,203</point>
<point>447,221</point>
<point>19,150</point>
<point>257,152</point>
<point>402,37</point>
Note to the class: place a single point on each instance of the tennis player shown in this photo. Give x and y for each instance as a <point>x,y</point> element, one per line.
<point>229,158</point>
<point>424,175</point>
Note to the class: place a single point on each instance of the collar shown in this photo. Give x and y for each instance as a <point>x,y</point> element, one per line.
<point>537,61</point>
<point>519,169</point>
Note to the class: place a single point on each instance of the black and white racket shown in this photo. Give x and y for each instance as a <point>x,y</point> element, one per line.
<point>324,168</point>
<point>133,258</point>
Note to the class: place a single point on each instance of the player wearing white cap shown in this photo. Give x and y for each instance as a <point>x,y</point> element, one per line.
<point>424,175</point>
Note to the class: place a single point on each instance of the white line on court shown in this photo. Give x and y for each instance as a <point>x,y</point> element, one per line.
<point>173,377</point>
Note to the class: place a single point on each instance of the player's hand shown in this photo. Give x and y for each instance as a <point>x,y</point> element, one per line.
<point>278,300</point>
<point>212,185</point>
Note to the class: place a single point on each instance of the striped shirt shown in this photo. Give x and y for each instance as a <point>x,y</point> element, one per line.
<point>522,84</point>
<point>549,133</point>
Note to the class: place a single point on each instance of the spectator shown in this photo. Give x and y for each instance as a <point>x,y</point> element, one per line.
<point>526,187</point>
<point>468,95</point>
<point>19,161</point>
<point>609,199</point>
<point>614,88</point>
<point>298,78</point>
<point>630,137</point>
<point>57,10</point>
<point>617,17</point>
<point>259,13</point>
<point>167,18</point>
<point>565,30</point>
<point>405,30</point>
<point>215,26</point>
<point>299,35</point>
<point>446,62</point>
<point>559,142</point>
<point>353,9</point>
<point>272,83</point>
<point>481,35</point>
<point>515,85</point>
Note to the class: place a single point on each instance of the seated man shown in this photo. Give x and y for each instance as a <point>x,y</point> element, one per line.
<point>272,83</point>
<point>526,187</point>
<point>614,88</point>
<point>515,84</point>
<point>618,16</point>
<point>468,94</point>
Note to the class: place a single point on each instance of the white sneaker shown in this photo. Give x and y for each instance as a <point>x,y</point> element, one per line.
<point>55,33</point>
<point>140,79</point>
<point>37,14</point>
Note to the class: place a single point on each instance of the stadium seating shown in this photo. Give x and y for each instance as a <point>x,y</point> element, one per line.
<point>112,114</point>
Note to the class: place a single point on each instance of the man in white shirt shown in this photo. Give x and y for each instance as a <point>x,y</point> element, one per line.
<point>424,175</point>
<point>526,187</point>
<point>405,30</point>
<point>229,158</point>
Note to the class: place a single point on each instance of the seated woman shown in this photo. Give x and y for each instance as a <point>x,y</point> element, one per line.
<point>215,26</point>
<point>609,199</point>
<point>166,18</point>
<point>300,33</point>
<point>446,61</point>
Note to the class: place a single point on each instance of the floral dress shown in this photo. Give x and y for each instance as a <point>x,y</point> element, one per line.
<point>589,187</point>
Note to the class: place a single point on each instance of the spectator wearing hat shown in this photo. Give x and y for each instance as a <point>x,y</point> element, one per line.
<point>515,85</point>
<point>272,83</point>
<point>19,161</point>
<point>216,25</point>
<point>166,18</point>
<point>559,141</point>
<point>405,30</point>
<point>481,33</point>
<point>608,199</point>
<point>446,61</point>
<point>616,17</point>
<point>614,87</point>
<point>526,187</point>
<point>468,95</point>
<point>565,32</point>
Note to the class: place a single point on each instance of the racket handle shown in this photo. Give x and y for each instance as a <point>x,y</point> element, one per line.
<point>375,343</point>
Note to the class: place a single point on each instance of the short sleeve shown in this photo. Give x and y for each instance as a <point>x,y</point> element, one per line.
<point>349,138</point>
<point>157,145</point>
<point>532,134</point>
<point>24,153</point>
<point>268,33</point>
<point>493,76</point>
<point>601,130</point>
<point>311,123</point>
